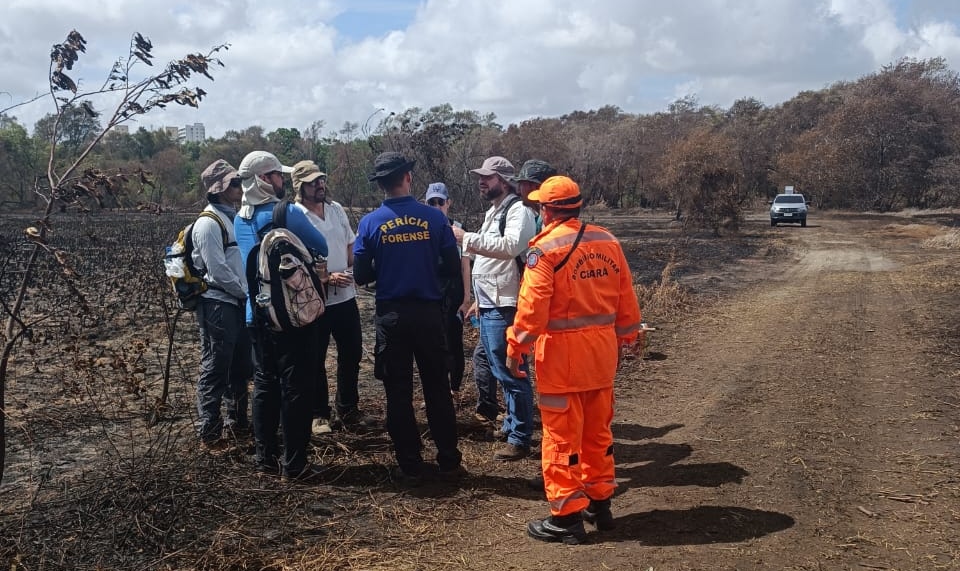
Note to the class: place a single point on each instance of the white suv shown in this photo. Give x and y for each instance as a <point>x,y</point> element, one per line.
<point>788,208</point>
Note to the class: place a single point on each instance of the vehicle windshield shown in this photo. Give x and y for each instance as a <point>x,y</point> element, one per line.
<point>790,199</point>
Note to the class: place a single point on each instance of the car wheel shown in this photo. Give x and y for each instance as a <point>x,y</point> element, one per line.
<point>773,222</point>
<point>803,223</point>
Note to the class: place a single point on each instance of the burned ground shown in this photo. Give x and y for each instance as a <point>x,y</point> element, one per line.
<point>799,410</point>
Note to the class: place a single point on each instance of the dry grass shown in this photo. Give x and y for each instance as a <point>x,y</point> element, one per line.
<point>947,240</point>
<point>664,298</point>
<point>919,231</point>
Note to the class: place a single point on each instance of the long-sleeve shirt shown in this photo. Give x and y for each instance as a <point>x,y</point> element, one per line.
<point>247,235</point>
<point>575,317</point>
<point>496,279</point>
<point>221,262</point>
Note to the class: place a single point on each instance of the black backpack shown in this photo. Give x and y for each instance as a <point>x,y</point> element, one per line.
<point>285,289</point>
<point>520,260</point>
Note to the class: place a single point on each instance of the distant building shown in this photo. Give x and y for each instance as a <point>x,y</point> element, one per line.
<point>121,129</point>
<point>192,133</point>
<point>172,132</point>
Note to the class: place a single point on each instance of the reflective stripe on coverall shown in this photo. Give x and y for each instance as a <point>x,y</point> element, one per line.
<point>576,318</point>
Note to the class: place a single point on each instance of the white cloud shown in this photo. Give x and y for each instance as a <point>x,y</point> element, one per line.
<point>288,65</point>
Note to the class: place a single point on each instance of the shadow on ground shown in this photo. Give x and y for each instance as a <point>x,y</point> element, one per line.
<point>696,526</point>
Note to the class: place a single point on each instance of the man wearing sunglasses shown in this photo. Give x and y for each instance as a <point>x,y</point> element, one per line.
<point>285,362</point>
<point>456,295</point>
<point>225,364</point>
<point>341,320</point>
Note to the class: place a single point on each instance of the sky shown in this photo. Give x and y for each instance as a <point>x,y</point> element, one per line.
<point>293,62</point>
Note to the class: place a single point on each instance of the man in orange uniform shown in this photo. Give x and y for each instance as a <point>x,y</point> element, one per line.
<point>577,309</point>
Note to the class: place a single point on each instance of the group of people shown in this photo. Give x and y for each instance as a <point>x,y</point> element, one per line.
<point>546,290</point>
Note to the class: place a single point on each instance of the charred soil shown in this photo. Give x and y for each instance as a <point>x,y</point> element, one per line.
<point>800,411</point>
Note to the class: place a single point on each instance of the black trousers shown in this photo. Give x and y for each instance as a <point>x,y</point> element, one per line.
<point>409,331</point>
<point>454,334</point>
<point>286,366</point>
<point>342,321</point>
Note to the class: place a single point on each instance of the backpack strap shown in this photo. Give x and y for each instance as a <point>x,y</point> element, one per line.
<point>563,262</point>
<point>188,246</point>
<point>223,229</point>
<point>280,214</point>
<point>278,219</point>
<point>513,198</point>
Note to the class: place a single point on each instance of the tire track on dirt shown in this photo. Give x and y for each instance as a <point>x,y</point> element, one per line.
<point>797,383</point>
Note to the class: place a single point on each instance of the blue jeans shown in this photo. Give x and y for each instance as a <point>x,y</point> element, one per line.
<point>517,392</point>
<point>225,368</point>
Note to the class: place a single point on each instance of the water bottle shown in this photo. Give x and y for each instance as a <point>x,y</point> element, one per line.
<point>173,265</point>
<point>320,267</point>
<point>475,322</point>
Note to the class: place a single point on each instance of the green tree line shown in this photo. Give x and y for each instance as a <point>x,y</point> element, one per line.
<point>889,140</point>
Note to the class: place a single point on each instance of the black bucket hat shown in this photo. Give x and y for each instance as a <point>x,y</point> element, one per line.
<point>535,171</point>
<point>388,163</point>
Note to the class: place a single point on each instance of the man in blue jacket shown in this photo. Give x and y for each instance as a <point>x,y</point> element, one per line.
<point>399,246</point>
<point>285,362</point>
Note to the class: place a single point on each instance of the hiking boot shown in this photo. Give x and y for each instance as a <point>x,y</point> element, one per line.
<point>310,473</point>
<point>356,420</point>
<point>567,529</point>
<point>509,452</point>
<point>241,433</point>
<point>321,426</point>
<point>481,418</point>
<point>270,468</point>
<point>406,479</point>
<point>452,474</point>
<point>500,435</point>
<point>215,447</point>
<point>598,513</point>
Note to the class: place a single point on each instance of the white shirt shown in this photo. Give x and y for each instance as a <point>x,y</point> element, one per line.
<point>335,227</point>
<point>496,280</point>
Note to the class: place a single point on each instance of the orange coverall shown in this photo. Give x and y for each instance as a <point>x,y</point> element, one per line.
<point>576,318</point>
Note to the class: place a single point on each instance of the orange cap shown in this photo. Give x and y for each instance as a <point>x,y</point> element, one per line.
<point>558,192</point>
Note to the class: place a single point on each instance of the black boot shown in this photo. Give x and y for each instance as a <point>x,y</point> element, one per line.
<point>598,513</point>
<point>567,529</point>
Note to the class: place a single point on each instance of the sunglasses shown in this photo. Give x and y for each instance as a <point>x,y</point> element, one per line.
<point>235,183</point>
<point>436,202</point>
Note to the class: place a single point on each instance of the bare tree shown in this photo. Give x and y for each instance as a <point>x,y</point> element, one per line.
<point>69,183</point>
<point>704,174</point>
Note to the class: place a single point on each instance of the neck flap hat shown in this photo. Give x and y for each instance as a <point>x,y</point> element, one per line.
<point>255,190</point>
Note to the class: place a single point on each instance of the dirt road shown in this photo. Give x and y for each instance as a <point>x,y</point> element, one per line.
<point>808,422</point>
